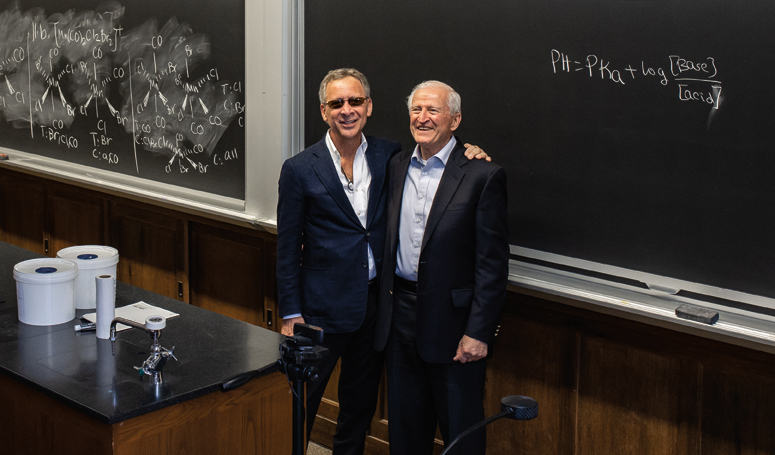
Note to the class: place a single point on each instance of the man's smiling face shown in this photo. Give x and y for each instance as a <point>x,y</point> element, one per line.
<point>430,120</point>
<point>348,121</point>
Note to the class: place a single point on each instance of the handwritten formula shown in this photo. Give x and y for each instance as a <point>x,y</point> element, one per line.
<point>692,80</point>
<point>150,82</point>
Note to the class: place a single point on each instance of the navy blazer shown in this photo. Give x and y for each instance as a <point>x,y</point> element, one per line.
<point>463,268</point>
<point>322,259</point>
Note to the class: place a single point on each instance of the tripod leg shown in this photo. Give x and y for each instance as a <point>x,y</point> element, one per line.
<point>298,418</point>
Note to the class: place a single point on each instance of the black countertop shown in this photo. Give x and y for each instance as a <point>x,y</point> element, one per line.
<point>82,370</point>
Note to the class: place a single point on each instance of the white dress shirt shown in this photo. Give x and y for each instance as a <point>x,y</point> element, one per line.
<point>359,195</point>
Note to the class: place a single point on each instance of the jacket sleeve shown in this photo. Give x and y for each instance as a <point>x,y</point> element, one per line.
<point>492,258</point>
<point>290,238</point>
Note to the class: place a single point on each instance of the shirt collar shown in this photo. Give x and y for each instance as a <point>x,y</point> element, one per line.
<point>332,148</point>
<point>442,156</point>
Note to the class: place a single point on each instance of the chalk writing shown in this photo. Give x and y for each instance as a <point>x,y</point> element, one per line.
<point>149,82</point>
<point>695,80</point>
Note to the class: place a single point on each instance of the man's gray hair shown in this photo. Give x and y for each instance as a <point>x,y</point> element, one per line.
<point>453,97</point>
<point>341,73</point>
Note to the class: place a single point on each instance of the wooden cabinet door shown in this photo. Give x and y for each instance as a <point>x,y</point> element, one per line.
<point>230,274</point>
<point>152,249</point>
<point>22,211</point>
<point>74,217</point>
<point>325,423</point>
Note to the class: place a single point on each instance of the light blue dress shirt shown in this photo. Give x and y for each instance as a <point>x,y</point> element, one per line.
<point>422,181</point>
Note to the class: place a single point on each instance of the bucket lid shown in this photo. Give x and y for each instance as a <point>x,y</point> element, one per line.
<point>45,271</point>
<point>90,256</point>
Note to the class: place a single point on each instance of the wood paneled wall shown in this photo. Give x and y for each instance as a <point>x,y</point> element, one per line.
<point>605,385</point>
<point>212,264</point>
<point>22,212</point>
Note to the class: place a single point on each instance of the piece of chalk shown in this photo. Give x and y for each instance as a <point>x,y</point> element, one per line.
<point>3,156</point>
<point>697,313</point>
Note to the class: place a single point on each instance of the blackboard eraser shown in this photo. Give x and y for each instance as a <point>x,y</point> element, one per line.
<point>3,156</point>
<point>697,313</point>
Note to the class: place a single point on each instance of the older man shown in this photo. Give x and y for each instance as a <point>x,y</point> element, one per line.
<point>444,279</point>
<point>330,241</point>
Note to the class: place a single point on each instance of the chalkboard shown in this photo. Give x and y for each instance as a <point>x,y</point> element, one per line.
<point>636,134</point>
<point>147,88</point>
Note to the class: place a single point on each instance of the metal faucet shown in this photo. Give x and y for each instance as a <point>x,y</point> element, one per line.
<point>158,358</point>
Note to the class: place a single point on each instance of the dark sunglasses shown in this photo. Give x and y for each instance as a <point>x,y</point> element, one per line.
<point>339,102</point>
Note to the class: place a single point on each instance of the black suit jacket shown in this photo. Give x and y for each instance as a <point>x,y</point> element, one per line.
<point>463,268</point>
<point>327,280</point>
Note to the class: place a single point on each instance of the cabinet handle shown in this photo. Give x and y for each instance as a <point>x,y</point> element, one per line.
<point>180,289</point>
<point>269,318</point>
<point>45,246</point>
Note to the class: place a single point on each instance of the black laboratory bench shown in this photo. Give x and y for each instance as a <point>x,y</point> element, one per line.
<point>60,386</point>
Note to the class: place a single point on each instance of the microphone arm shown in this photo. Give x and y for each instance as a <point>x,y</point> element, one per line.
<point>515,407</point>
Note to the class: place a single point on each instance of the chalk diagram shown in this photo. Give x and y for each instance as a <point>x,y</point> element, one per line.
<point>150,82</point>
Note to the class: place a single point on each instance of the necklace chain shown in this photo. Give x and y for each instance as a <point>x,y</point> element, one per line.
<point>350,185</point>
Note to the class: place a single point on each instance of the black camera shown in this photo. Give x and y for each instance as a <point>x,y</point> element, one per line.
<point>302,352</point>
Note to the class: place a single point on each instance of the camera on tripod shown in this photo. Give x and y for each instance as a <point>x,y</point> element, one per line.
<point>301,352</point>
<point>299,355</point>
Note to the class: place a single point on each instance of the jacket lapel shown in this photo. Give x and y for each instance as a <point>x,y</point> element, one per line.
<point>329,177</point>
<point>375,157</point>
<point>450,180</point>
<point>395,197</point>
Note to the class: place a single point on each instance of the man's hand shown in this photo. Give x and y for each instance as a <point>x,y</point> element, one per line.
<point>470,350</point>
<point>473,151</point>
<point>288,324</point>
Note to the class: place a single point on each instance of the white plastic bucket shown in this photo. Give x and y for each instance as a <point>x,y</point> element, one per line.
<point>92,260</point>
<point>45,290</point>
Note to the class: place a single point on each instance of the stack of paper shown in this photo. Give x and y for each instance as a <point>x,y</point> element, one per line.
<point>136,312</point>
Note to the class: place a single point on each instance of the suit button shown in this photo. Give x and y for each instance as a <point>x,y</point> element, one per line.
<point>368,233</point>
<point>365,264</point>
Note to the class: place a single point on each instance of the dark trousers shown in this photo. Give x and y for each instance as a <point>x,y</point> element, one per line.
<point>422,394</point>
<point>361,371</point>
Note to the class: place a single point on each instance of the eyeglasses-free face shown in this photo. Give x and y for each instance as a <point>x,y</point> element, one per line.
<point>339,102</point>
<point>430,120</point>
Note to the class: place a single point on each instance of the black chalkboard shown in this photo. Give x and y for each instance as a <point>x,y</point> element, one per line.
<point>635,133</point>
<point>147,88</point>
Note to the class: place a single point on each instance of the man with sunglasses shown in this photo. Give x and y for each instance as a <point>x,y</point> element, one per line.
<point>330,241</point>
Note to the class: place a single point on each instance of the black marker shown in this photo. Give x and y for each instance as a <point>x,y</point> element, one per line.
<point>3,156</point>
<point>86,327</point>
